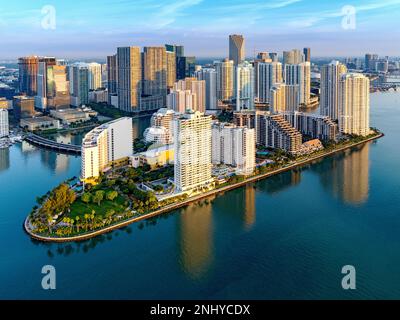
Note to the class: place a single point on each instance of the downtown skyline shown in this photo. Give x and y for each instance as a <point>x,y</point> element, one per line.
<point>93,29</point>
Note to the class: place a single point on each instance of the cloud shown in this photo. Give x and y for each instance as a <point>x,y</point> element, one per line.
<point>169,12</point>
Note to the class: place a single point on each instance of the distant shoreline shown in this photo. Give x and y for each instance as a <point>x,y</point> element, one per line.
<point>196,198</point>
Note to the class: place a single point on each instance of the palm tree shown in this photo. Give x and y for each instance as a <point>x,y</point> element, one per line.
<point>77,218</point>
<point>86,217</point>
<point>49,221</point>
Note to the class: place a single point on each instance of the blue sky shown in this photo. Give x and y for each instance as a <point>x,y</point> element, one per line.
<point>94,28</point>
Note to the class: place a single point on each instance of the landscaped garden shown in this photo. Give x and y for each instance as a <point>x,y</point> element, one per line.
<point>116,197</point>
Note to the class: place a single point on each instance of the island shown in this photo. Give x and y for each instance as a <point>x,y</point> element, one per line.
<point>125,195</point>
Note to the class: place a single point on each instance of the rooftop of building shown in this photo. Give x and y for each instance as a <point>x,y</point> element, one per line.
<point>90,139</point>
<point>38,119</point>
<point>313,143</point>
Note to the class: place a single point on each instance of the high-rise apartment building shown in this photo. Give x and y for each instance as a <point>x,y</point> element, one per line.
<point>192,151</point>
<point>112,78</point>
<point>186,66</point>
<point>251,119</point>
<point>284,97</point>
<point>293,57</point>
<point>95,75</point>
<point>28,70</point>
<point>225,80</point>
<point>209,75</point>
<point>236,48</point>
<point>29,74</point>
<point>273,56</point>
<point>4,127</point>
<point>179,50</point>
<point>182,100</point>
<point>155,71</point>
<point>300,74</point>
<point>196,87</point>
<point>234,146</point>
<point>105,145</point>
<point>277,100</point>
<point>42,83</point>
<point>268,74</point>
<point>354,104</point>
<point>79,84</point>
<point>58,96</point>
<point>307,54</point>
<point>370,61</point>
<point>171,69</point>
<point>183,65</point>
<point>24,107</point>
<point>312,125</point>
<point>244,86</point>
<point>279,134</point>
<point>329,98</point>
<point>129,75</point>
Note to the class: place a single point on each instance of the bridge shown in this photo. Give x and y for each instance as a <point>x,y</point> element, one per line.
<point>52,145</point>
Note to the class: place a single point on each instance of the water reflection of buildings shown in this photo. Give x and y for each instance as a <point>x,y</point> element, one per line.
<point>249,206</point>
<point>27,148</point>
<point>281,181</point>
<point>56,162</point>
<point>346,175</point>
<point>196,238</point>
<point>355,173</point>
<point>4,159</point>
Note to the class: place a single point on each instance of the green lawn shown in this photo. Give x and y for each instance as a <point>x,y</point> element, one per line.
<point>79,208</point>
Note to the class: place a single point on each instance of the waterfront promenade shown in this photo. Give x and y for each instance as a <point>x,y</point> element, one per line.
<point>196,198</point>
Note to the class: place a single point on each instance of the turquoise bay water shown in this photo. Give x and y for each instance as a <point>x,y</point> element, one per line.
<point>285,237</point>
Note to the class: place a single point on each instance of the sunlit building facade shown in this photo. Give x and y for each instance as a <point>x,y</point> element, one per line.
<point>354,104</point>
<point>192,152</point>
<point>105,145</point>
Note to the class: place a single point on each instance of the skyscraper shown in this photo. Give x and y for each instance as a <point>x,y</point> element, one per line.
<point>105,145</point>
<point>129,73</point>
<point>330,76</point>
<point>196,87</point>
<point>155,72</point>
<point>171,69</point>
<point>244,86</point>
<point>209,75</point>
<point>370,61</point>
<point>225,76</point>
<point>42,83</point>
<point>292,57</point>
<point>300,74</point>
<point>4,128</point>
<point>269,74</point>
<point>277,98</point>
<point>94,76</point>
<point>185,67</point>
<point>57,87</point>
<point>28,70</point>
<point>236,48</point>
<point>234,146</point>
<point>79,82</point>
<point>354,104</point>
<point>192,150</point>
<point>307,54</point>
<point>180,62</point>
<point>111,76</point>
<point>181,100</point>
